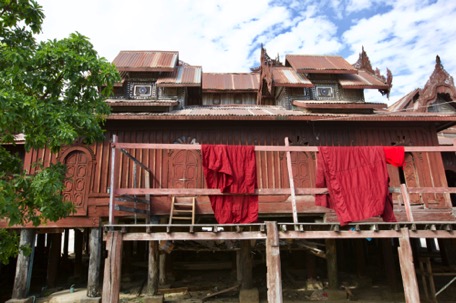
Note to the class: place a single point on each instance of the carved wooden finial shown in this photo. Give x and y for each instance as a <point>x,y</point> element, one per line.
<point>437,61</point>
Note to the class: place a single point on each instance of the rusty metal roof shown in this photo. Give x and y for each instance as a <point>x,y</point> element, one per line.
<point>312,64</point>
<point>338,104</point>
<point>150,61</point>
<point>362,80</point>
<point>231,81</point>
<point>286,76</point>
<point>276,113</point>
<point>182,76</point>
<point>129,102</point>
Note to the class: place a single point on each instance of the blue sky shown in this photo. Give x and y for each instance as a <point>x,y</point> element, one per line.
<point>225,35</point>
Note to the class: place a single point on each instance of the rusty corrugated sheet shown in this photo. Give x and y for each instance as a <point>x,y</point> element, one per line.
<point>286,76</point>
<point>362,80</point>
<point>230,81</point>
<point>150,61</point>
<point>182,76</point>
<point>320,64</point>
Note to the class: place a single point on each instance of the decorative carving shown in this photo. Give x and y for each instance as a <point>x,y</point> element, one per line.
<point>265,89</point>
<point>364,63</point>
<point>440,82</point>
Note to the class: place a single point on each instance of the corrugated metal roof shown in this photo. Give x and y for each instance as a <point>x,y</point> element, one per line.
<point>320,64</point>
<point>362,80</point>
<point>137,61</point>
<point>405,101</point>
<point>128,102</point>
<point>286,76</point>
<point>272,113</point>
<point>338,104</point>
<point>182,76</point>
<point>231,81</point>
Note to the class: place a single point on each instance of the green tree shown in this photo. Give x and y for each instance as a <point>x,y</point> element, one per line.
<point>53,93</point>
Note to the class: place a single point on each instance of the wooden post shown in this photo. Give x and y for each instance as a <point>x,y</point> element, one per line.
<point>245,265</point>
<point>292,187</point>
<point>78,243</point>
<point>152,275</point>
<point>23,270</point>
<point>112,178</point>
<point>409,282</point>
<point>93,279</point>
<point>388,262</point>
<point>65,243</point>
<point>274,271</point>
<point>406,199</point>
<point>331,261</point>
<point>54,259</point>
<point>360,257</point>
<point>113,266</point>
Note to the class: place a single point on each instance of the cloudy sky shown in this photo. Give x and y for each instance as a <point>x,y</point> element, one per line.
<point>226,35</point>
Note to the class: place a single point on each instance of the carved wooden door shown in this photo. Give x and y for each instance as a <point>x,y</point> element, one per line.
<point>185,169</point>
<point>303,169</point>
<point>77,182</point>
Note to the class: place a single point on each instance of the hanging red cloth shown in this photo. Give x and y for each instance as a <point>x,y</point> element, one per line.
<point>232,169</point>
<point>357,181</point>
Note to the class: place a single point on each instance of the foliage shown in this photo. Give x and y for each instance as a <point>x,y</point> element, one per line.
<point>49,92</point>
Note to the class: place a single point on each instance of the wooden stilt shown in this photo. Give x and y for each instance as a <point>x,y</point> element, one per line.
<point>152,275</point>
<point>93,278</point>
<point>359,257</point>
<point>331,261</point>
<point>54,259</point>
<point>245,265</point>
<point>311,266</point>
<point>388,263</point>
<point>23,270</point>
<point>274,273</point>
<point>113,266</point>
<point>162,269</point>
<point>78,239</point>
<point>407,268</point>
<point>65,243</point>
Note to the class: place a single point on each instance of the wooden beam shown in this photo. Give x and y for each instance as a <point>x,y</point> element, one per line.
<point>93,279</point>
<point>406,199</point>
<point>78,247</point>
<point>269,147</point>
<point>155,236</point>
<point>153,268</point>
<point>23,268</point>
<point>113,266</point>
<point>208,191</point>
<point>274,271</point>
<point>291,180</point>
<point>409,282</point>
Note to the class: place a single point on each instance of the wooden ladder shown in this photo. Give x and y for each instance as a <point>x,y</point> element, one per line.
<point>182,208</point>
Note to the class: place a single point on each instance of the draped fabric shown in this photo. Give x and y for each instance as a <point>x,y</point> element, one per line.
<point>357,181</point>
<point>232,169</point>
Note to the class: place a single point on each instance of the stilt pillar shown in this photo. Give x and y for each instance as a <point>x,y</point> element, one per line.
<point>245,265</point>
<point>331,261</point>
<point>274,273</point>
<point>152,275</point>
<point>113,266</point>
<point>93,278</point>
<point>54,259</point>
<point>23,268</point>
<point>409,282</point>
<point>78,243</point>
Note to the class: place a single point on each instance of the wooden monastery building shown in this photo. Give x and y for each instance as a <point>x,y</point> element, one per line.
<point>204,168</point>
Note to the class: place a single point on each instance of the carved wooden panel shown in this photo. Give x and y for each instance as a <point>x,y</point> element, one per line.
<point>411,176</point>
<point>77,183</point>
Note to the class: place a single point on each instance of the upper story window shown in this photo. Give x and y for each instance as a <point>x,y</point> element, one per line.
<point>142,90</point>
<point>324,92</point>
